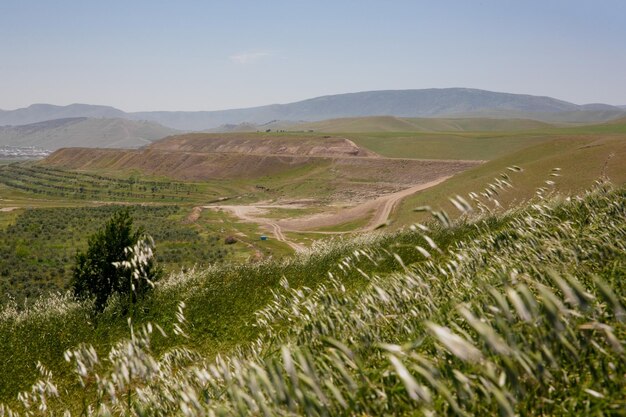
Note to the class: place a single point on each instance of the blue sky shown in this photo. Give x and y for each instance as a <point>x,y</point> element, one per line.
<point>207,55</point>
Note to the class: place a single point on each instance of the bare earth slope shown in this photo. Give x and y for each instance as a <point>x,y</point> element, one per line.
<point>205,166</point>
<point>208,156</point>
<point>255,155</point>
<point>261,144</point>
<point>193,166</point>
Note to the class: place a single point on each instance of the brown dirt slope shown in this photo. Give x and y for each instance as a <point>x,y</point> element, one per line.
<point>264,144</point>
<point>179,165</point>
<point>203,166</point>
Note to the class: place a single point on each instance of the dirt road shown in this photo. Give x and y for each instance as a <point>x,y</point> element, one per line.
<point>254,214</point>
<point>388,203</point>
<point>281,237</point>
<point>380,209</point>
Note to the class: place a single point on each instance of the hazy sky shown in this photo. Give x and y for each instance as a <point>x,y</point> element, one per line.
<point>207,55</point>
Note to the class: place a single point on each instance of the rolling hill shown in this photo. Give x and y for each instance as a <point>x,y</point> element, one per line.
<point>582,160</point>
<point>81,131</point>
<point>445,102</point>
<point>403,124</point>
<point>43,112</point>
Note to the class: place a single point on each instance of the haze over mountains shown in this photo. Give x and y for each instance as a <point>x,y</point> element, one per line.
<point>83,131</point>
<point>447,102</point>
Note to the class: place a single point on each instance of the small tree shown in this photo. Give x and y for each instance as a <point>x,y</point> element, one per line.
<point>99,272</point>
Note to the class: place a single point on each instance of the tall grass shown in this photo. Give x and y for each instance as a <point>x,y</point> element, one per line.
<point>523,315</point>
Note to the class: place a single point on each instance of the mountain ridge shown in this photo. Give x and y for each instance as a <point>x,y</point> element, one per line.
<point>433,102</point>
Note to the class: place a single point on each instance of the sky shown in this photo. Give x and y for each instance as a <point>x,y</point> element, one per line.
<point>140,55</point>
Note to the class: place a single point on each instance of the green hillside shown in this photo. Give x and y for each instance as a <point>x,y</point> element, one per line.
<point>581,160</point>
<point>521,313</point>
<point>417,124</point>
<point>463,146</point>
<point>475,144</point>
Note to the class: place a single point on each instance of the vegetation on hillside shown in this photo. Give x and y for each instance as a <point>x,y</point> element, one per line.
<point>478,142</point>
<point>52,182</point>
<point>519,313</point>
<point>37,248</point>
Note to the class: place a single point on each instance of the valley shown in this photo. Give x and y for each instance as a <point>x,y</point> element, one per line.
<point>206,188</point>
<point>294,187</point>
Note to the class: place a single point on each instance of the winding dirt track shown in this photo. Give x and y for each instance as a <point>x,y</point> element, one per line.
<point>281,237</point>
<point>253,214</point>
<point>389,202</point>
<point>381,208</point>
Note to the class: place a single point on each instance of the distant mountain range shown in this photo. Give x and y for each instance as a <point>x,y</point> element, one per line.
<point>43,112</point>
<point>85,132</point>
<point>427,103</point>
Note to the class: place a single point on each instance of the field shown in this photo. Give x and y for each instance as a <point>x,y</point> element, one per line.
<point>38,246</point>
<point>50,182</point>
<point>463,146</point>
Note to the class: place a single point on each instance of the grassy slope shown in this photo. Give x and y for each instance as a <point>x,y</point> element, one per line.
<point>416,124</point>
<point>581,160</point>
<point>221,302</point>
<point>470,141</point>
<point>220,306</point>
<point>478,146</point>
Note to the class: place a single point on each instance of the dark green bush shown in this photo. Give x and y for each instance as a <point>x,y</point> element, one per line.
<point>95,273</point>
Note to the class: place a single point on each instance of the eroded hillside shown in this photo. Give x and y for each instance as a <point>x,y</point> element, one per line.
<point>256,155</point>
<point>260,144</point>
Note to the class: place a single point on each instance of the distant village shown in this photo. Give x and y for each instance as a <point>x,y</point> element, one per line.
<point>12,152</point>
